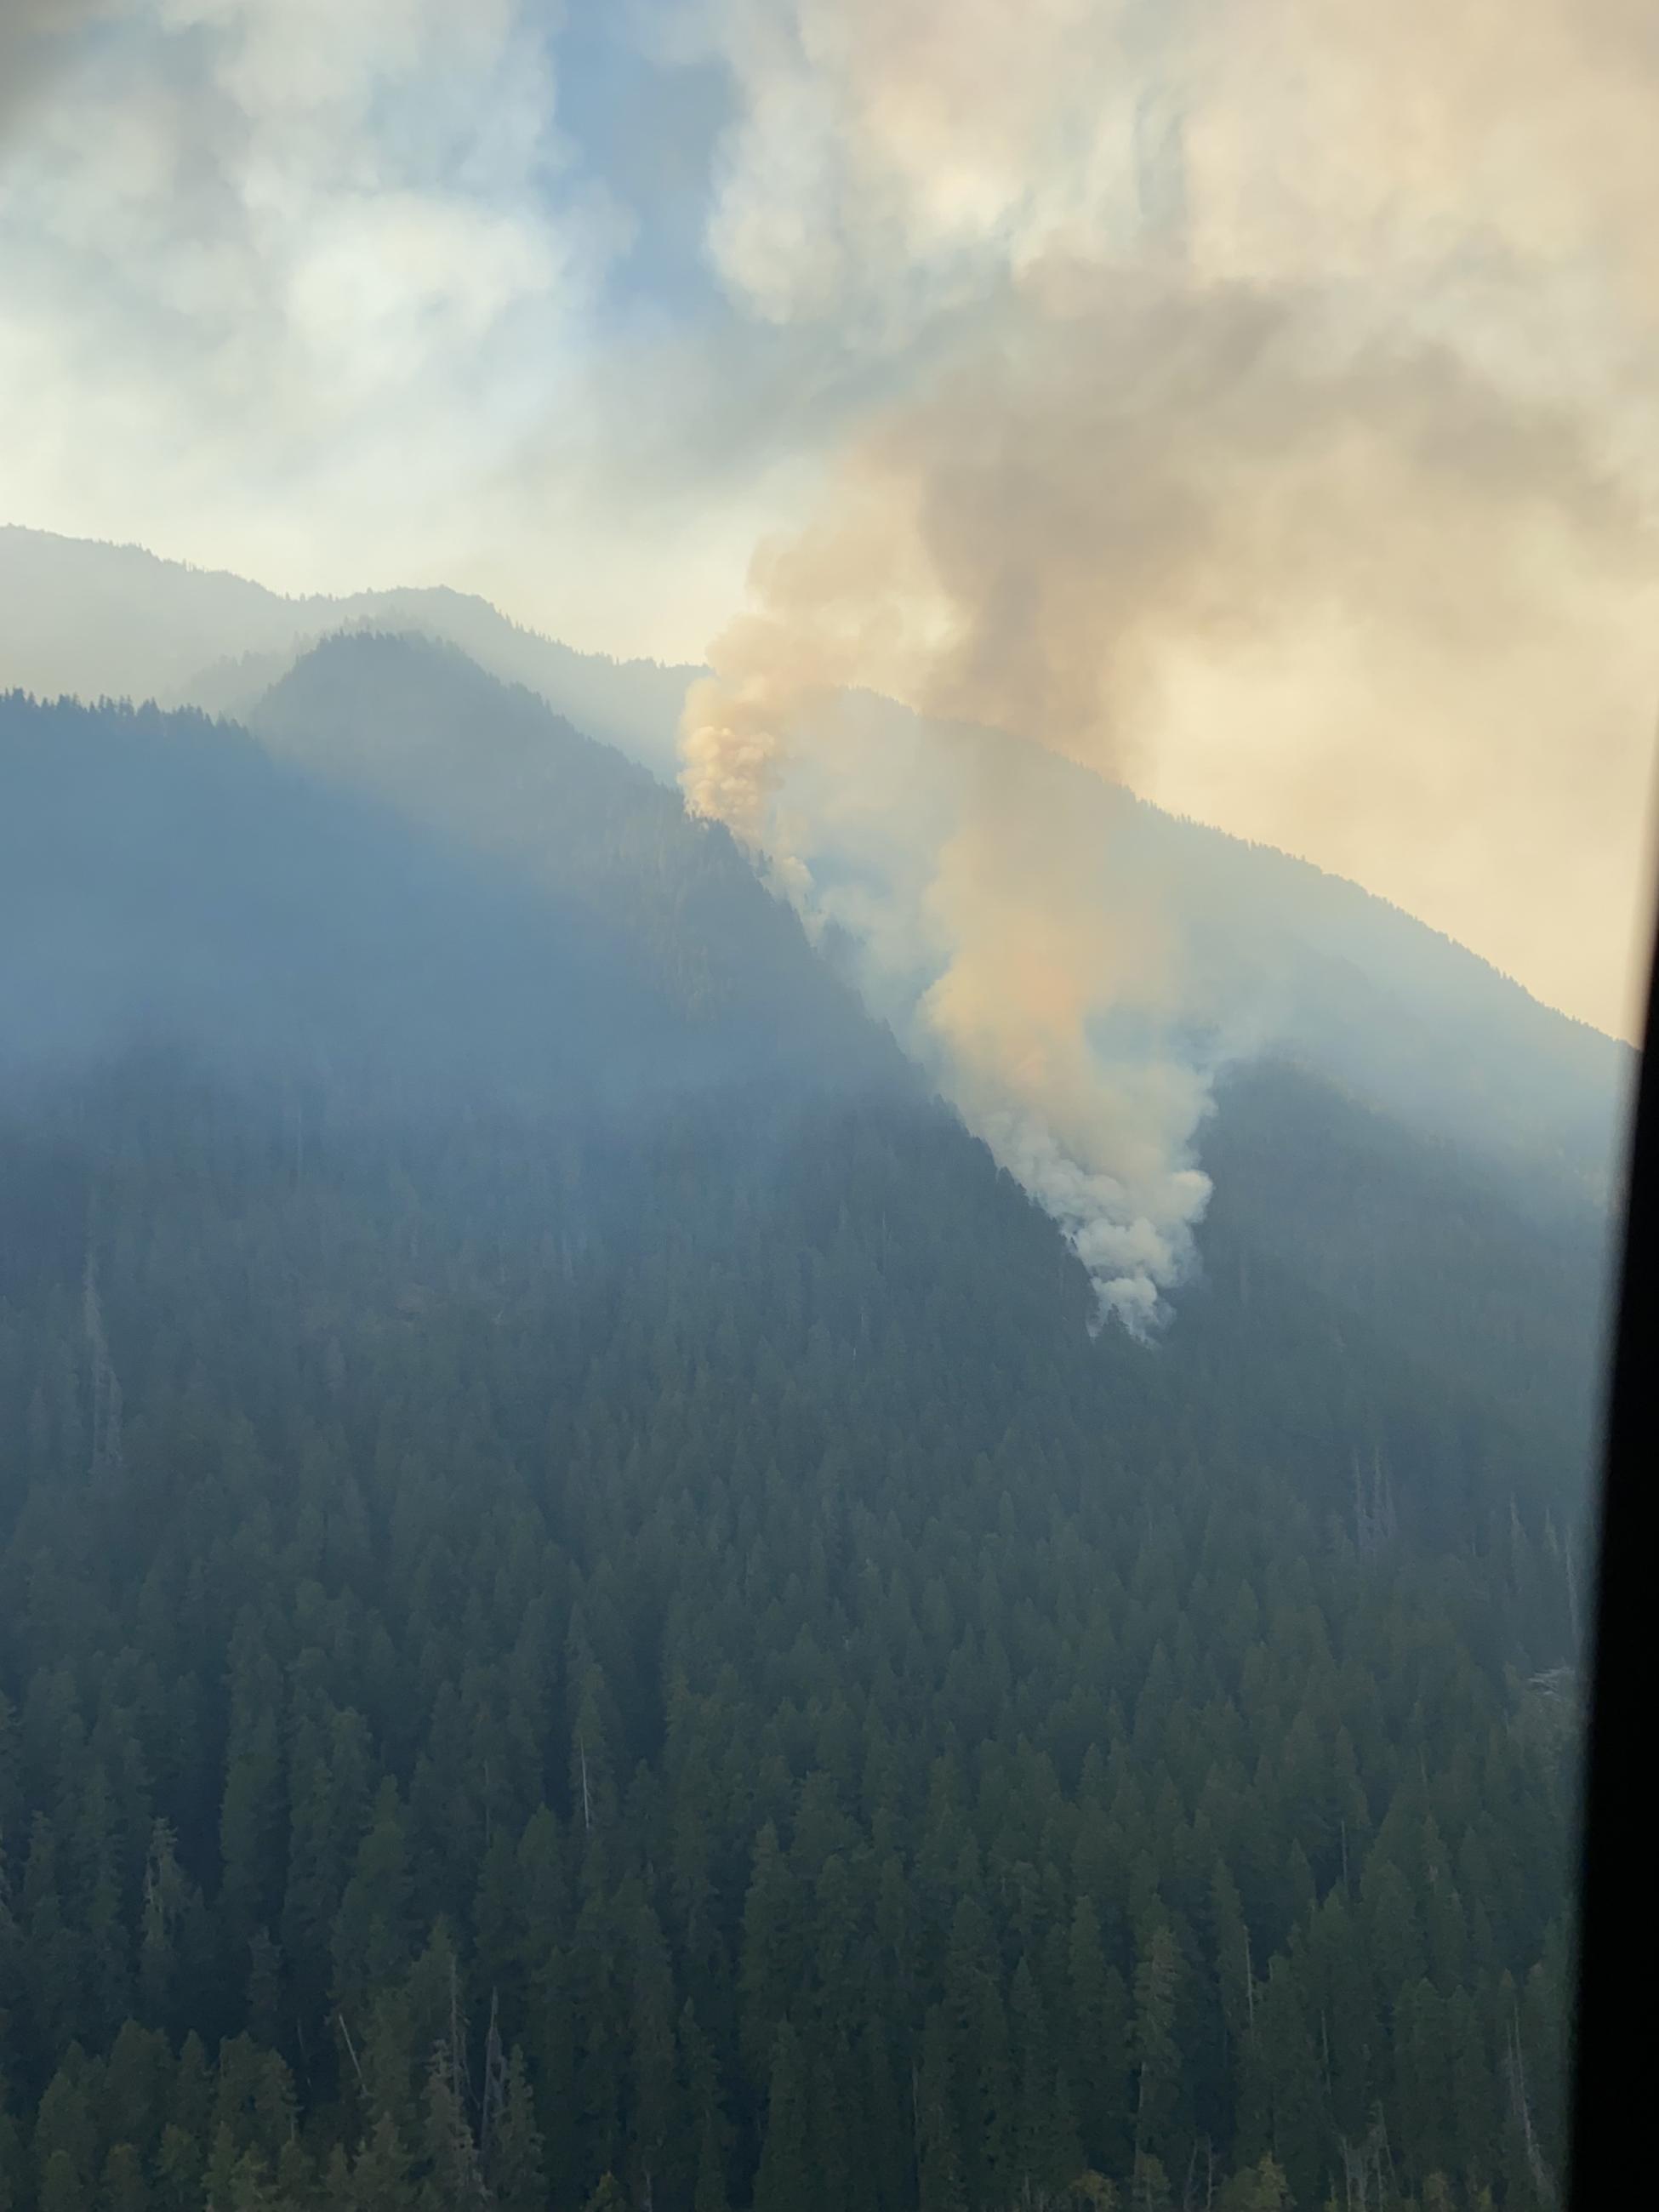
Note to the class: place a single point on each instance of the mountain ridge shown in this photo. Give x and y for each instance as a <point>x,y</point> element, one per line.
<point>381,607</point>
<point>673,1613</point>
<point>1326,972</point>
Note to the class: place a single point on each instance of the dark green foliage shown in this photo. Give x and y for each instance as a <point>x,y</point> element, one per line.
<point>607,1667</point>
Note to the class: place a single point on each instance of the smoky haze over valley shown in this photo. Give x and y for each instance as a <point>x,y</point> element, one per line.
<point>1073,968</point>
<point>1200,417</point>
<point>822,829</point>
<point>448,1201</point>
<point>1210,461</point>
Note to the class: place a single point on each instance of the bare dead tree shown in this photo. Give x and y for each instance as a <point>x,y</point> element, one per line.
<point>493,2102</point>
<point>451,2096</point>
<point>1521,2105</point>
<point>1362,2166</point>
<point>351,2051</point>
<point>105,1386</point>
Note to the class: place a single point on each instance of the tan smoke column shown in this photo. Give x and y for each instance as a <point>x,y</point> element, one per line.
<point>1274,434</point>
<point>1126,484</point>
<point>1471,186</point>
<point>1038,943</point>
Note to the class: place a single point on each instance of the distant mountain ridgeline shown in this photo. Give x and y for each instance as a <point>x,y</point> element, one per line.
<point>113,621</point>
<point>161,875</point>
<point>1300,965</point>
<point>490,768</point>
<point>415,893</point>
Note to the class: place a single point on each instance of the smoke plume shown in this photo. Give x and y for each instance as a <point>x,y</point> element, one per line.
<point>1172,482</point>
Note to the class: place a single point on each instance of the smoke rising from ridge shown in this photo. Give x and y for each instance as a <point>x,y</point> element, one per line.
<point>1439,225</point>
<point>405,292</point>
<point>1199,480</point>
<point>991,932</point>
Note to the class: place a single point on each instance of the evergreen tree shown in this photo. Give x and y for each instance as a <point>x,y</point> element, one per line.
<point>784,2182</point>
<point>670,1608</point>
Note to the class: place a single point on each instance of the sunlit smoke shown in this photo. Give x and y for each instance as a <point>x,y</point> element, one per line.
<point>1165,486</point>
<point>1299,350</point>
<point>1000,928</point>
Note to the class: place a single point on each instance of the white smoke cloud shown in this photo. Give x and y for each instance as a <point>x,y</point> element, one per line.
<point>995,930</point>
<point>1429,230</point>
<point>321,294</point>
<point>291,287</point>
<point>1131,1254</point>
<point>1271,427</point>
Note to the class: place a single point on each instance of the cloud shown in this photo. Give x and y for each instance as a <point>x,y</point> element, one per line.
<point>398,292</point>
<point>1270,442</point>
<point>1277,431</point>
<point>340,296</point>
<point>287,283</point>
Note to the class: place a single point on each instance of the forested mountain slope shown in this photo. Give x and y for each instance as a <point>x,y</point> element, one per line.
<point>554,1657</point>
<point>1317,970</point>
<point>487,766</point>
<point>1429,1250</point>
<point>164,875</point>
<point>1267,952</point>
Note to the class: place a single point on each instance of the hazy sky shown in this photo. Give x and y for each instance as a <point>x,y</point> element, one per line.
<point>1276,375</point>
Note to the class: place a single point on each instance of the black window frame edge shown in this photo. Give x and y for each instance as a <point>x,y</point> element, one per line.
<point>1613,2042</point>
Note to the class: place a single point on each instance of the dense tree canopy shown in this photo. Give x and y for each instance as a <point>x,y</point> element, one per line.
<point>557,1660</point>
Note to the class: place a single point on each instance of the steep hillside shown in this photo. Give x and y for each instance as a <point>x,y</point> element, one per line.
<point>1264,953</point>
<point>164,876</point>
<point>1301,963</point>
<point>163,880</point>
<point>538,1642</point>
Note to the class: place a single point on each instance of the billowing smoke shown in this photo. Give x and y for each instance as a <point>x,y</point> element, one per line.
<point>991,928</point>
<point>1177,491</point>
<point>948,572</point>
